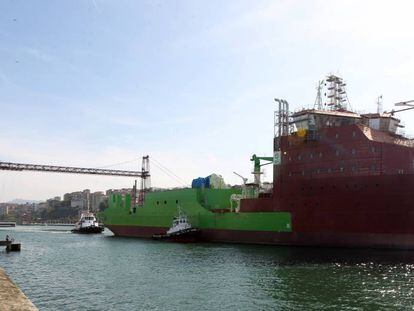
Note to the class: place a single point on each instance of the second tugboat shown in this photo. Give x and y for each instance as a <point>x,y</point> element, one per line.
<point>87,223</point>
<point>181,230</point>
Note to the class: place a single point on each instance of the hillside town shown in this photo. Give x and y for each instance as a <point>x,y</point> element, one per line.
<point>57,209</point>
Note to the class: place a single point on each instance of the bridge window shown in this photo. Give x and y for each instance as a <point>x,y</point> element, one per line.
<point>337,153</point>
<point>336,136</point>
<point>353,133</point>
<point>353,151</point>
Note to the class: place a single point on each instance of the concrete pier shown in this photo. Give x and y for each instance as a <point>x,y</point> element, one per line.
<point>11,297</point>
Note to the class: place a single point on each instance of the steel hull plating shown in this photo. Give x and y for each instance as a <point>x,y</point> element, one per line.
<point>348,186</point>
<point>395,241</point>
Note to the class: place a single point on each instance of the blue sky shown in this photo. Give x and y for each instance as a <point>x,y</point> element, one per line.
<point>191,83</point>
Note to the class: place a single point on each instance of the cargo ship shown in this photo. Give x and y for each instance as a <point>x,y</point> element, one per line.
<point>340,179</point>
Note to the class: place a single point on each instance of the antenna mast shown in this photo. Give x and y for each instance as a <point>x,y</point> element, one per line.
<point>379,104</point>
<point>337,98</point>
<point>318,101</point>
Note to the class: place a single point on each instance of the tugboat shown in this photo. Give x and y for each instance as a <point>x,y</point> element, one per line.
<point>180,231</point>
<point>87,224</point>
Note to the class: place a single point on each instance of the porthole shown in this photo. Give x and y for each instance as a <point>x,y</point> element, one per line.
<point>165,202</point>
<point>176,201</point>
<point>158,202</point>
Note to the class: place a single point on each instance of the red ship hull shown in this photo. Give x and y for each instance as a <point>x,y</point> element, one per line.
<point>395,241</point>
<point>346,184</point>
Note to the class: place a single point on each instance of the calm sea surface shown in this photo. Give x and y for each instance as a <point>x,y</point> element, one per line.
<point>58,270</point>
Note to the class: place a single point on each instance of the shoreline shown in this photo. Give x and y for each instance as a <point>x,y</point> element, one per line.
<point>11,296</point>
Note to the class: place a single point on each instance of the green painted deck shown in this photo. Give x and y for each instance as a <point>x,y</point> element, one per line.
<point>199,205</point>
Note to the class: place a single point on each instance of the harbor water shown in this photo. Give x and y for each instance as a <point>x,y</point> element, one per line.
<point>59,270</point>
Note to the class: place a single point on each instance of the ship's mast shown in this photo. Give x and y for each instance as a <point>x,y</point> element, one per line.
<point>318,101</point>
<point>337,98</point>
<point>379,104</point>
<point>88,201</point>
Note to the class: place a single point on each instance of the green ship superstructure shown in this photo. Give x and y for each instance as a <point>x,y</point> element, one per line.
<point>210,210</point>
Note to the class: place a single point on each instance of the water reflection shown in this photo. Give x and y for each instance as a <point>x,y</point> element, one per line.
<point>57,269</point>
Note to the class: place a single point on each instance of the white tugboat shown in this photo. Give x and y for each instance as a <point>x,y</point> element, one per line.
<point>180,231</point>
<point>87,223</point>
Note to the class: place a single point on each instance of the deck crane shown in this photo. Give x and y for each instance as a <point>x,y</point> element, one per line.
<point>243,178</point>
<point>256,166</point>
<point>404,104</point>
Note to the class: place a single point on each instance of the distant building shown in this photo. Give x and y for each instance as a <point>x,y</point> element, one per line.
<point>3,209</point>
<point>78,199</point>
<point>96,199</point>
<point>122,191</point>
<point>42,206</point>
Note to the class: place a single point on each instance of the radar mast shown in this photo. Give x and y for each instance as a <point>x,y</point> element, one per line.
<point>336,93</point>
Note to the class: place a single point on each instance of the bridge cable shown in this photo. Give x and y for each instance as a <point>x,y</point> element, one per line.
<point>168,170</point>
